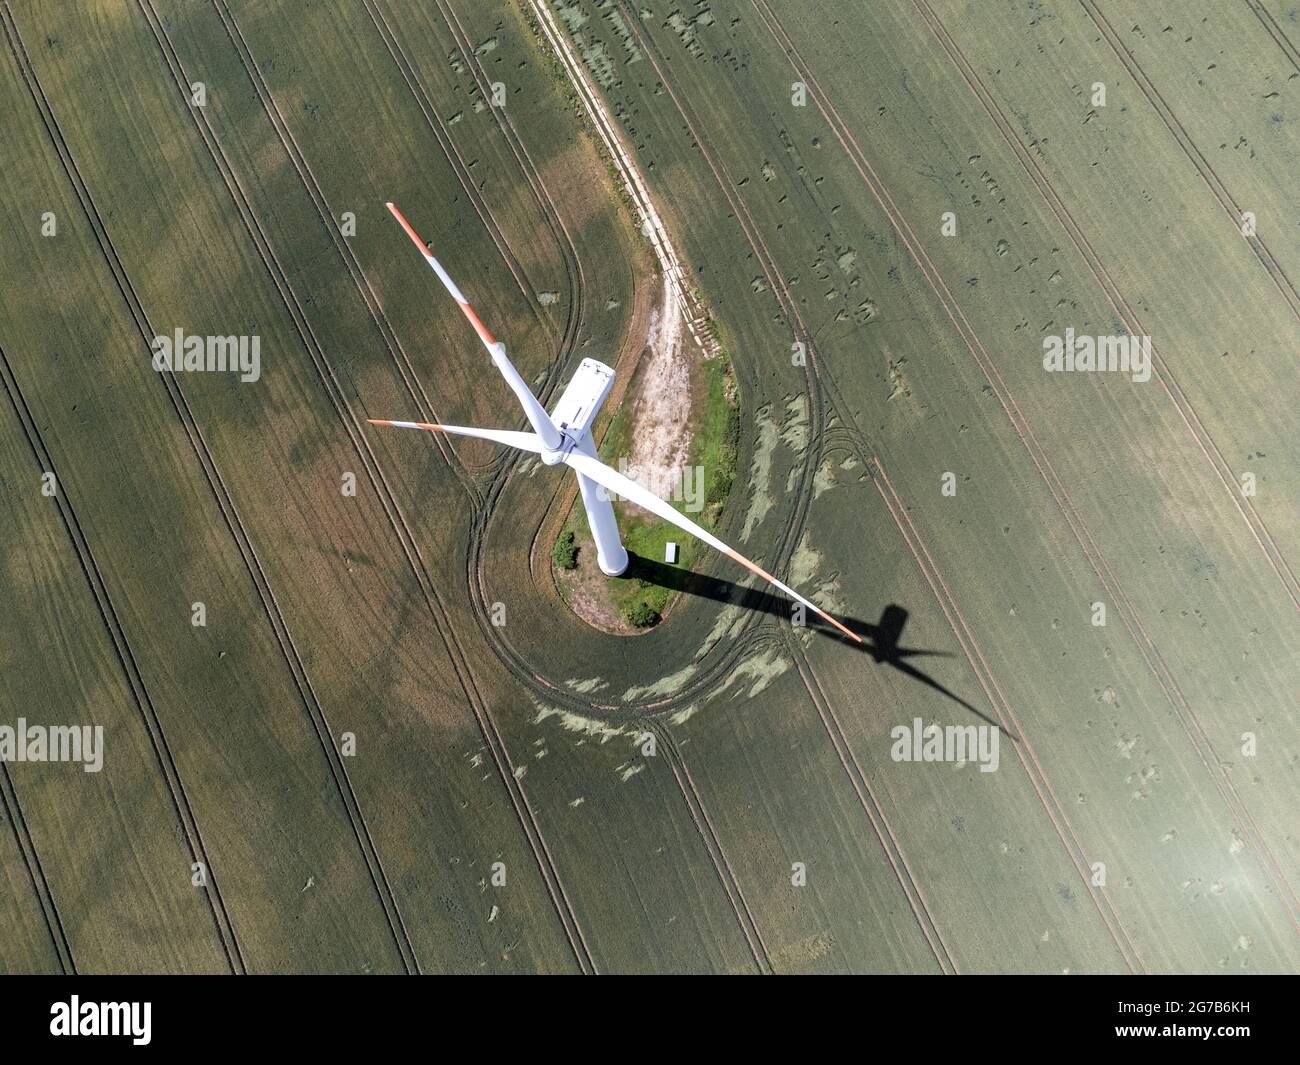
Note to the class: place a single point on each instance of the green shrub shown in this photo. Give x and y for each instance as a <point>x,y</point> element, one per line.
<point>565,552</point>
<point>640,614</point>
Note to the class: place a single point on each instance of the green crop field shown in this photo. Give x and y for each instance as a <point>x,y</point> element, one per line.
<point>357,716</point>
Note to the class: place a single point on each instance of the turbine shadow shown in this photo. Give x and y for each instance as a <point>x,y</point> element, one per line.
<point>881,639</point>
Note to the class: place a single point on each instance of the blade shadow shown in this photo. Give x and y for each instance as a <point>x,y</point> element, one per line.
<point>881,640</point>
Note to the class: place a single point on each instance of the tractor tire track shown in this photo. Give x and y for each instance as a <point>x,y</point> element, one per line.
<point>704,682</point>
<point>9,803</point>
<point>13,813</point>
<point>384,493</point>
<point>816,405</point>
<point>871,807</point>
<point>504,468</point>
<point>266,594</point>
<point>667,744</point>
<point>1275,31</point>
<point>1092,552</point>
<point>1006,716</point>
<point>554,693</point>
<point>1202,165</point>
<point>1122,308</point>
<point>539,17</point>
<point>500,469</point>
<point>777,285</point>
<point>575,278</point>
<point>162,751</point>
<point>457,161</point>
<point>405,368</point>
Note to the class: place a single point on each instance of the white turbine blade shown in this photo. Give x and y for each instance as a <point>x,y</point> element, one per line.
<point>537,416</point>
<point>627,488</point>
<point>509,437</point>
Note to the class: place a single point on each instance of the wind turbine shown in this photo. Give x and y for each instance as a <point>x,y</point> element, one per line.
<point>564,437</point>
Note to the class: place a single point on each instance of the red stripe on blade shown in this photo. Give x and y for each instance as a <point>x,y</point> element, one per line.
<point>415,237</point>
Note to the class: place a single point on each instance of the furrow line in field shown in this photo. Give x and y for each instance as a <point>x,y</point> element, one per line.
<point>1193,153</point>
<point>871,806</point>
<point>13,810</point>
<point>1262,537</point>
<point>576,278</point>
<point>1087,543</point>
<point>1275,31</point>
<point>778,286</point>
<point>504,650</point>
<point>503,468</point>
<point>1119,304</point>
<point>809,461</point>
<point>153,725</point>
<point>667,744</point>
<point>35,872</point>
<point>547,690</point>
<point>405,368</point>
<point>266,594</point>
<point>998,701</point>
<point>508,461</point>
<point>487,725</point>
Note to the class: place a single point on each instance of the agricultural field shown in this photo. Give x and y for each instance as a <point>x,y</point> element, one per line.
<point>360,700</point>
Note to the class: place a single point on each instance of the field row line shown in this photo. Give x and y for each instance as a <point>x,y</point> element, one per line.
<point>778,287</point>
<point>1275,31</point>
<point>495,637</point>
<point>180,800</point>
<point>429,111</point>
<point>312,704</point>
<point>573,270</point>
<point>674,275</point>
<point>1025,433</point>
<point>666,744</point>
<point>9,803</point>
<point>550,212</point>
<point>13,813</point>
<point>315,191</point>
<point>870,804</point>
<point>1119,304</point>
<point>1006,715</point>
<point>1192,725</point>
<point>1193,153</point>
<point>791,530</point>
<point>513,661</point>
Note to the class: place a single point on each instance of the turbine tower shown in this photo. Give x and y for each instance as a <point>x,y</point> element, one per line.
<point>564,437</point>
